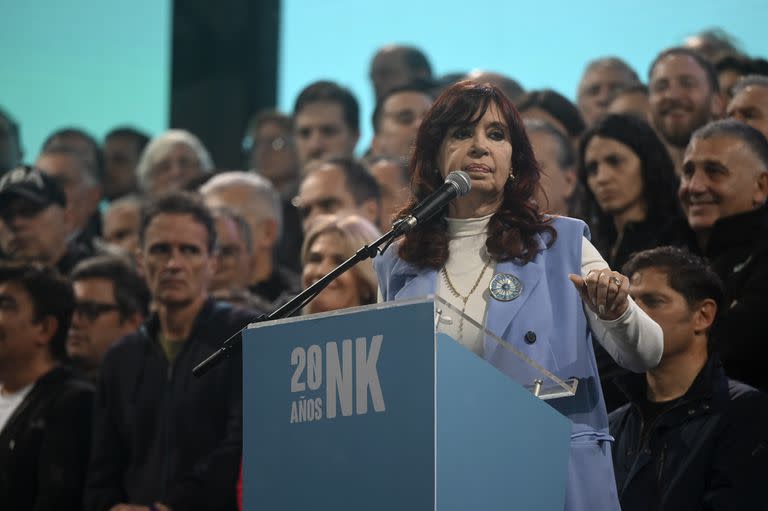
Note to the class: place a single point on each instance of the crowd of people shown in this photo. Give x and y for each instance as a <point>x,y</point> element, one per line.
<point>125,262</point>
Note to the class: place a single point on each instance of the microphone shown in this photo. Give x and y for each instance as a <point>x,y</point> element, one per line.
<point>457,184</point>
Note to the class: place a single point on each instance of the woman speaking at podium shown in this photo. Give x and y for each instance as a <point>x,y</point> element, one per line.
<point>531,279</point>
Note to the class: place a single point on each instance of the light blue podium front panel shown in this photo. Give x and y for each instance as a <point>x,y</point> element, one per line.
<point>498,446</point>
<point>297,455</point>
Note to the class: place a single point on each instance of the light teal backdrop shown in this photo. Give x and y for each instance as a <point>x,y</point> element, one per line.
<point>97,64</point>
<point>540,43</point>
<point>88,63</point>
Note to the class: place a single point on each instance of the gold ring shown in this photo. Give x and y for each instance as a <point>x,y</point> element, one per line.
<point>616,280</point>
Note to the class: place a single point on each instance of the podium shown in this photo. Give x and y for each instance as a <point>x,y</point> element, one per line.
<point>377,408</point>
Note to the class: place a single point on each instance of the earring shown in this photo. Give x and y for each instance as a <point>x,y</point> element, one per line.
<point>511,174</point>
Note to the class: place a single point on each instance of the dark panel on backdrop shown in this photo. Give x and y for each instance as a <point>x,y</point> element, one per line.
<point>224,68</point>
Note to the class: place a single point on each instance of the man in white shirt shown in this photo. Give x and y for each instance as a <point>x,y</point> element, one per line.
<point>45,412</point>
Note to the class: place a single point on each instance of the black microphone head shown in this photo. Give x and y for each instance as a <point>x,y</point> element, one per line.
<point>460,180</point>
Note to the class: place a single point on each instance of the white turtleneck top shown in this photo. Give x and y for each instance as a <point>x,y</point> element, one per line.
<point>633,340</point>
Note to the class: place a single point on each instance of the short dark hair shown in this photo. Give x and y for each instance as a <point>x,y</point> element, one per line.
<point>754,139</point>
<point>360,182</point>
<point>688,274</point>
<point>51,295</point>
<point>13,125</point>
<point>270,115</point>
<point>415,60</point>
<point>130,289</point>
<point>704,64</point>
<point>417,86</point>
<point>54,140</point>
<point>738,63</point>
<point>327,91</point>
<point>566,156</point>
<point>79,157</point>
<point>140,138</point>
<point>180,203</point>
<point>556,105</point>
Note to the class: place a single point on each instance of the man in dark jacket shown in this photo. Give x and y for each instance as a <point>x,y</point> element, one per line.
<point>690,438</point>
<point>45,412</point>
<point>723,191</point>
<point>163,437</point>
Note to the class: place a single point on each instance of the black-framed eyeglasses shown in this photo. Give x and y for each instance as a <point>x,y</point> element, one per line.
<point>92,310</point>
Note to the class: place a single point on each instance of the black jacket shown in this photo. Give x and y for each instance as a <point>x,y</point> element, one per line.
<point>637,236</point>
<point>162,434</point>
<point>44,445</point>
<point>709,451</point>
<point>738,252</point>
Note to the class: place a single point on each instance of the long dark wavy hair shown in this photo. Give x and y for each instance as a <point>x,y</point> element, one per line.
<point>658,175</point>
<point>513,230</point>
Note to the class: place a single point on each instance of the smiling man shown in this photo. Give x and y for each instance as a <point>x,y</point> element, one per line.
<point>199,420</point>
<point>723,191</point>
<point>684,95</point>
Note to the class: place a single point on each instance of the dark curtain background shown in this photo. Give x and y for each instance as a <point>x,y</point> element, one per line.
<point>224,68</point>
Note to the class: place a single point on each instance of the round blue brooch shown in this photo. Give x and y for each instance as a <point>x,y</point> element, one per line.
<point>505,287</point>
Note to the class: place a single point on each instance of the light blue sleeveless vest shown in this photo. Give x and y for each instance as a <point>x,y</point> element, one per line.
<point>550,308</point>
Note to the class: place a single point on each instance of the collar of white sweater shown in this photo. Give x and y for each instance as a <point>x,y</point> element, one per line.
<point>463,227</point>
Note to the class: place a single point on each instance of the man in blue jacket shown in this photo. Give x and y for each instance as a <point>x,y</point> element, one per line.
<point>690,438</point>
<point>164,439</point>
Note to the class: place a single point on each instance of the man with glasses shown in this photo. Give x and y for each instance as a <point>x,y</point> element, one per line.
<point>397,118</point>
<point>111,301</point>
<point>254,199</point>
<point>35,220</point>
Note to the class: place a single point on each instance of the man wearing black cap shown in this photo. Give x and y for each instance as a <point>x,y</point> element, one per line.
<point>35,220</point>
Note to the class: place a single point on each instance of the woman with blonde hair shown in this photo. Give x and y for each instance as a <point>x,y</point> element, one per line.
<point>330,241</point>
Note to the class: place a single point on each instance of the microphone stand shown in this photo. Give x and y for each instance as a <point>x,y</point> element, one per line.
<point>399,228</point>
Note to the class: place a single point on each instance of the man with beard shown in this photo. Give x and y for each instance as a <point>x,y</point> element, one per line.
<point>684,95</point>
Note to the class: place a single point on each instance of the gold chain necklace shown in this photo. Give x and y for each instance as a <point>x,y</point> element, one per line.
<point>464,299</point>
